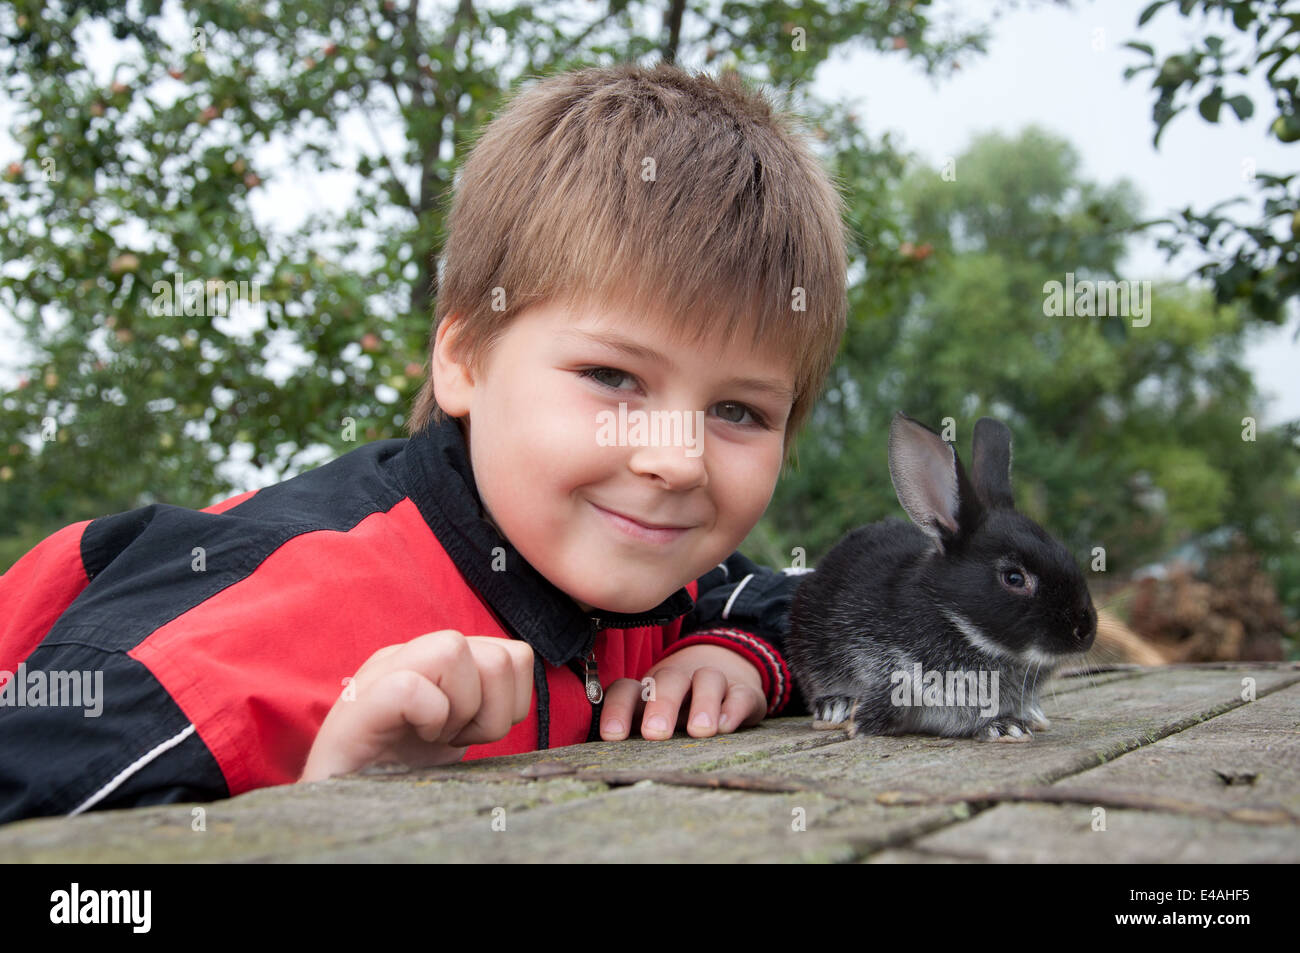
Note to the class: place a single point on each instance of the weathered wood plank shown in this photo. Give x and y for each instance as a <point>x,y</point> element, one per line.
<point>271,823</point>
<point>645,822</point>
<point>590,813</point>
<point>1088,728</point>
<point>1246,759</point>
<point>1040,833</point>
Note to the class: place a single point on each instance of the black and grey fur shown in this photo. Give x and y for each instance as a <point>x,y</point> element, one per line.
<point>973,586</point>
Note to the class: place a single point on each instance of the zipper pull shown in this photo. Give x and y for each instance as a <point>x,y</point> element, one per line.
<point>591,675</point>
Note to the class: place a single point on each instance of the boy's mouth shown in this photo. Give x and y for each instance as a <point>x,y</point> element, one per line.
<point>646,532</point>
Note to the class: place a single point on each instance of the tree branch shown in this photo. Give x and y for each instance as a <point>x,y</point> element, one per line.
<point>673,24</point>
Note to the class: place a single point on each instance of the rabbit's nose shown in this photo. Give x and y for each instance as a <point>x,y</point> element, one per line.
<point>1085,624</point>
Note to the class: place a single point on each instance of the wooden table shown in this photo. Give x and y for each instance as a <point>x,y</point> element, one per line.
<point>1140,764</point>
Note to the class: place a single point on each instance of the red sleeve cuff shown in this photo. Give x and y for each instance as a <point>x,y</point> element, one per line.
<point>762,655</point>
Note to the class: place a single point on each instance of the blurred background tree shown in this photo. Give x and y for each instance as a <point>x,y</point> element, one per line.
<point>155,165</point>
<point>1256,262</point>
<point>1128,435</point>
<point>147,132</point>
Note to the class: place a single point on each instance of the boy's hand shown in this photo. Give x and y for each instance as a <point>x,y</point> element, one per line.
<point>423,702</point>
<point>720,683</point>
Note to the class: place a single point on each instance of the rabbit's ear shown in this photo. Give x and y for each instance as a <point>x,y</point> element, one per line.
<point>991,464</point>
<point>929,480</point>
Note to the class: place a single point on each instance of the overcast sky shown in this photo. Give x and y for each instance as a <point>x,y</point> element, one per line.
<point>1059,68</point>
<point>1043,67</point>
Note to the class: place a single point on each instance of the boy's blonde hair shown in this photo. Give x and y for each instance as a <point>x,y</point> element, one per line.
<point>654,190</point>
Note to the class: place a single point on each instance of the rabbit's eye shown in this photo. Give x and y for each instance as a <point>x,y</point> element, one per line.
<point>1019,580</point>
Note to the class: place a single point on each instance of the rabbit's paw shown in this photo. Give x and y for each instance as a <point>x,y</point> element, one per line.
<point>832,711</point>
<point>1006,729</point>
<point>1036,720</point>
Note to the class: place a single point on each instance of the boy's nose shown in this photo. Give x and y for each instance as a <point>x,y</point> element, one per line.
<point>681,468</point>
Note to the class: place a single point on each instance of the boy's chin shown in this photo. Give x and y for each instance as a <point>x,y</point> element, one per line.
<point>624,605</point>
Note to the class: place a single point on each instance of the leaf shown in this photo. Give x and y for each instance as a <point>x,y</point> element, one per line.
<point>1146,48</point>
<point>1150,11</point>
<point>1210,104</point>
<point>1163,121</point>
<point>1242,106</point>
<point>1282,56</point>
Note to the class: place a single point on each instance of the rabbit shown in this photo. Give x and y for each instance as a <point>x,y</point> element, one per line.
<point>973,591</point>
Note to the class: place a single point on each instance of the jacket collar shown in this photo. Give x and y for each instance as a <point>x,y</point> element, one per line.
<point>440,482</point>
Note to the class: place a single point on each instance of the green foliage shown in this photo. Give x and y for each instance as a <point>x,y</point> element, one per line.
<point>1249,261</point>
<point>1126,436</point>
<point>127,180</point>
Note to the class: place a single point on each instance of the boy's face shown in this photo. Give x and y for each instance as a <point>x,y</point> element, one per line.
<point>566,485</point>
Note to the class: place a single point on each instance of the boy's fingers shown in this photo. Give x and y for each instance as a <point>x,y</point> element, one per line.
<point>488,680</point>
<point>377,721</point>
<point>521,658</point>
<point>381,660</point>
<point>497,676</point>
<point>404,700</point>
<point>708,687</point>
<point>445,659</point>
<point>670,687</point>
<point>744,705</point>
<point>426,710</point>
<point>622,699</point>
<point>373,666</point>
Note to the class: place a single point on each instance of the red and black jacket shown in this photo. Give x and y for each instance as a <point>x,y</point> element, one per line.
<point>225,635</point>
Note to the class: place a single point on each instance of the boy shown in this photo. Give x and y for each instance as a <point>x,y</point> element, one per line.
<point>624,244</point>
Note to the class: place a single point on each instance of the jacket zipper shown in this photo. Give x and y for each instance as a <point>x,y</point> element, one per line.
<point>587,670</point>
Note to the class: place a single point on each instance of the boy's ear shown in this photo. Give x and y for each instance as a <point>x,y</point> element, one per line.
<point>453,380</point>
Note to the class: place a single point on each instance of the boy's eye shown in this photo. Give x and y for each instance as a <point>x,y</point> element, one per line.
<point>602,375</point>
<point>739,410</point>
<point>734,412</point>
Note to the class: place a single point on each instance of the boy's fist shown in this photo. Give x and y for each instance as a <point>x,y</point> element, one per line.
<point>423,702</point>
